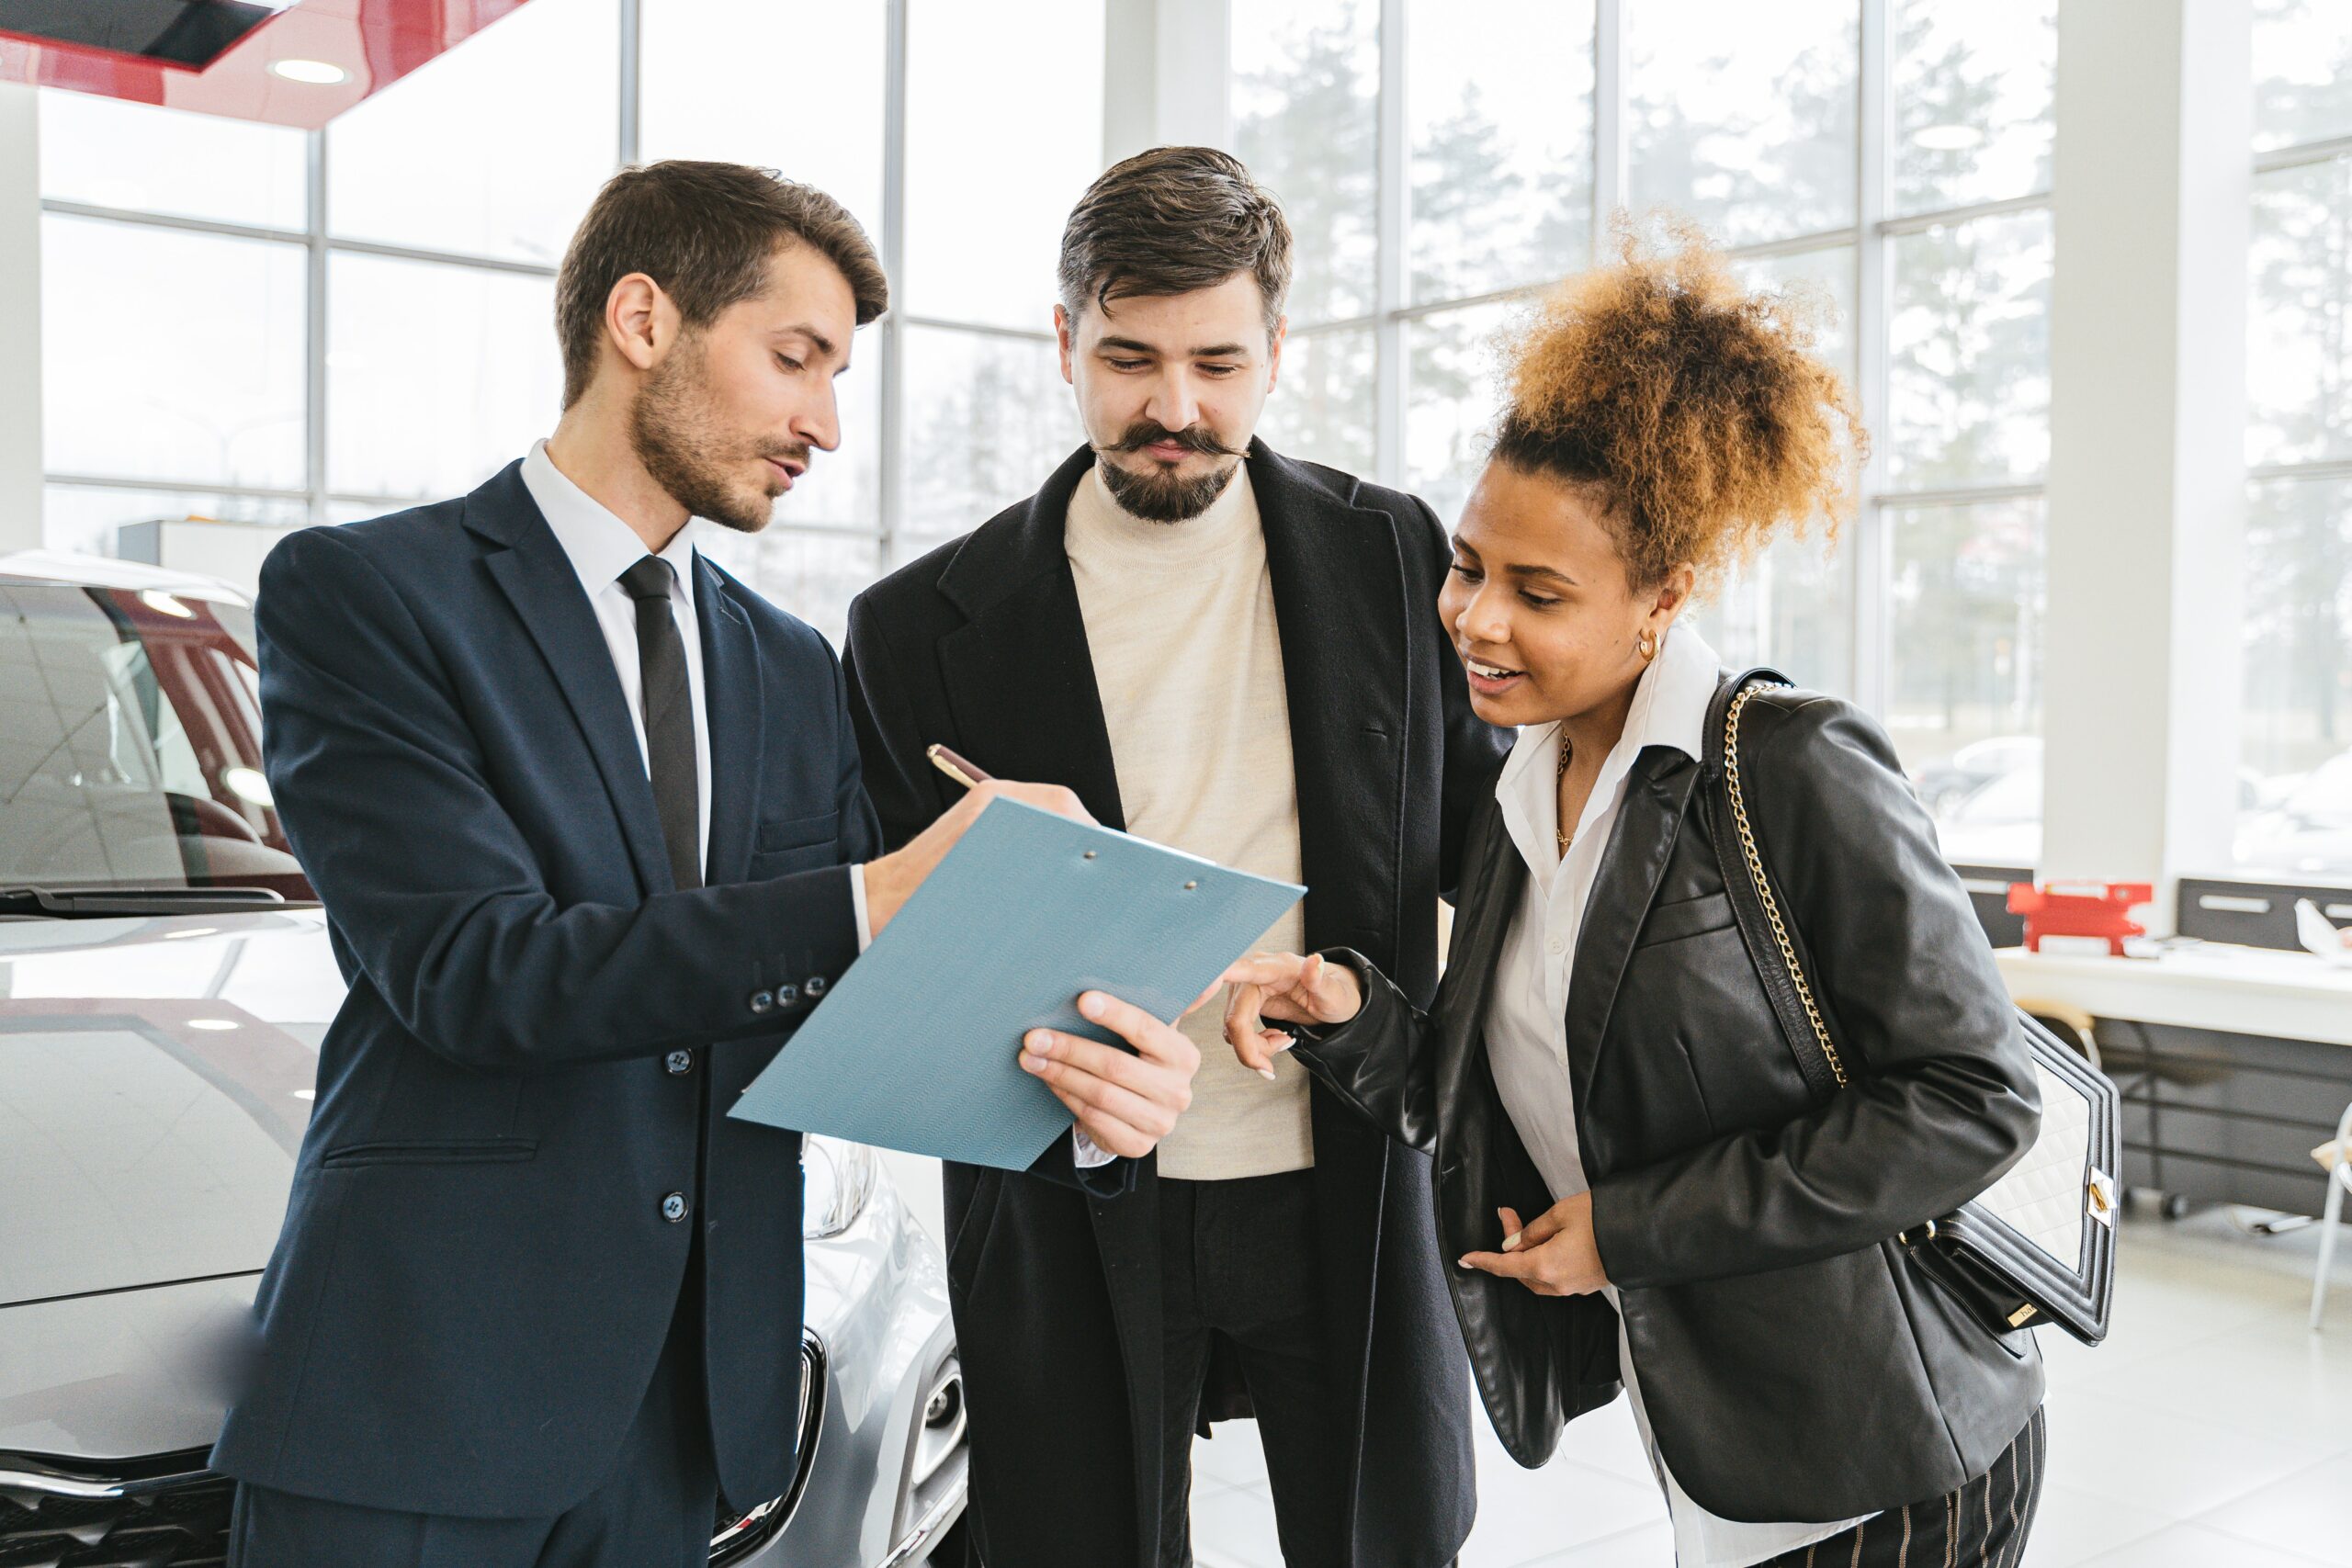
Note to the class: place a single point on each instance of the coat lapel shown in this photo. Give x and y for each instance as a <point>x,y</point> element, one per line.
<point>1338,585</point>
<point>1020,683</point>
<point>1639,847</point>
<point>1019,676</point>
<point>1342,615</point>
<point>731,698</point>
<point>539,580</point>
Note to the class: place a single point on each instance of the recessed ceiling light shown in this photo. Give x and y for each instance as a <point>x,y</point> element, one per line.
<point>212,1023</point>
<point>317,72</point>
<point>305,1093</point>
<point>1948,138</point>
<point>156,599</point>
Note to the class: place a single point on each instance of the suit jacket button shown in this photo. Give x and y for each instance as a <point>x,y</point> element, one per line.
<point>673,1207</point>
<point>678,1063</point>
<point>762,1000</point>
<point>816,987</point>
<point>787,995</point>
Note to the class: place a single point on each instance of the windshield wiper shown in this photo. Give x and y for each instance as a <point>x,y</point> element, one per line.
<point>88,903</point>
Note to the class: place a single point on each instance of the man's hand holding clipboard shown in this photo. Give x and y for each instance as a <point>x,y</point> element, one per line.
<point>1125,1102</point>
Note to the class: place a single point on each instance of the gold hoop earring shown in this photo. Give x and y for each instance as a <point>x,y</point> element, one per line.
<point>1648,644</point>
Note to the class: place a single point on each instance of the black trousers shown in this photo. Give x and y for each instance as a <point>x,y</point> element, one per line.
<point>1982,1525</point>
<point>655,1509</point>
<point>1238,1259</point>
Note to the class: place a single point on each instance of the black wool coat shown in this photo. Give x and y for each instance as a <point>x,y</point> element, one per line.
<point>980,646</point>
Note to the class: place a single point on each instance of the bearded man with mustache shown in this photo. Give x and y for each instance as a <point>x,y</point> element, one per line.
<point>1237,654</point>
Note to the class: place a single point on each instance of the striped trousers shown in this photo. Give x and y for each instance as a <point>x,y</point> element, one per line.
<point>1982,1525</point>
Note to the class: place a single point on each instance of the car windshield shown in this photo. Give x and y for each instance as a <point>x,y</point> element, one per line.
<point>130,744</point>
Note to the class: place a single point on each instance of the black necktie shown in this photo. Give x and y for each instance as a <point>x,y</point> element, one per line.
<point>669,715</point>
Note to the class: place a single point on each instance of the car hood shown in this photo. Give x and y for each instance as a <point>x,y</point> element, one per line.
<point>119,1376</point>
<point>156,1077</point>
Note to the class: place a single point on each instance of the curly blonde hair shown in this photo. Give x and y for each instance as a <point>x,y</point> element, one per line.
<point>1695,410</point>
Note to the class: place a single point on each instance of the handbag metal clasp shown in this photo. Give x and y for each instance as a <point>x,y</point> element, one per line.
<point>2101,1198</point>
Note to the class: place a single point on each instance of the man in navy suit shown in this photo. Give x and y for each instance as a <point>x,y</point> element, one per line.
<point>586,819</point>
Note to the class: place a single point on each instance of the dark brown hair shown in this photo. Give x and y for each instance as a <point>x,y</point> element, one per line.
<point>1172,221</point>
<point>706,233</point>
<point>1697,411</point>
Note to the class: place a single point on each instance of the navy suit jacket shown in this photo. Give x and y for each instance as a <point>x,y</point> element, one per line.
<point>476,1277</point>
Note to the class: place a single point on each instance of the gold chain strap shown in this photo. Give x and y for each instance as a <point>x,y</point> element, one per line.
<point>1748,847</point>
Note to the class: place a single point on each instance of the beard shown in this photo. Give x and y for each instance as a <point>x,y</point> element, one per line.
<point>1161,494</point>
<point>677,435</point>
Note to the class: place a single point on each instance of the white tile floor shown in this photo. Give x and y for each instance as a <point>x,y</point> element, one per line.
<point>2211,1430</point>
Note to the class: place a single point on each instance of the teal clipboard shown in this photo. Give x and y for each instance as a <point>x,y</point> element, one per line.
<point>916,1047</point>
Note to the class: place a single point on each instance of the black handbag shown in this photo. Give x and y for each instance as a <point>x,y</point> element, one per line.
<point>2038,1245</point>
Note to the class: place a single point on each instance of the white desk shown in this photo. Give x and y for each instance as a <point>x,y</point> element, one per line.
<point>2238,1073</point>
<point>2243,990</point>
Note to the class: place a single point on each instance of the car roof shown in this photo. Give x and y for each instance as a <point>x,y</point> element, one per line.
<point>71,569</point>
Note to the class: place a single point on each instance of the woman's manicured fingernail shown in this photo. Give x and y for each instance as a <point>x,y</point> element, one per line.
<point>1267,1074</point>
<point>1510,1242</point>
<point>1462,1261</point>
<point>1282,1041</point>
<point>1090,1005</point>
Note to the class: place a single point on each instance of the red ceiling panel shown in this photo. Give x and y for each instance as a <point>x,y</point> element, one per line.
<point>373,42</point>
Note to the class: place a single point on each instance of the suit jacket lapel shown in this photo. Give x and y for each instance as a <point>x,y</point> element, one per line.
<point>1019,676</point>
<point>1656,793</point>
<point>731,700</point>
<point>539,580</point>
<point>1339,587</point>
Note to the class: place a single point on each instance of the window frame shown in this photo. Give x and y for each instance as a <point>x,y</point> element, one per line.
<point>320,502</point>
<point>1864,552</point>
<point>2321,469</point>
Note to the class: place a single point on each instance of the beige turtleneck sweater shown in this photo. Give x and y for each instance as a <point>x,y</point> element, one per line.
<point>1179,618</point>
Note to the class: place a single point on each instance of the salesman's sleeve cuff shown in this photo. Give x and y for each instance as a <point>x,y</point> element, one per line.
<point>1083,1152</point>
<point>857,907</point>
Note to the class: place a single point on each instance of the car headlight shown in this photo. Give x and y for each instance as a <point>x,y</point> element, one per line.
<point>837,1178</point>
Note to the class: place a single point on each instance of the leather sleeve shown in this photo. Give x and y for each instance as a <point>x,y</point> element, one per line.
<point>1378,1062</point>
<point>437,889</point>
<point>1943,1098</point>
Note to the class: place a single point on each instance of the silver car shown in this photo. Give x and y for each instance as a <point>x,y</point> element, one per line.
<point>165,981</point>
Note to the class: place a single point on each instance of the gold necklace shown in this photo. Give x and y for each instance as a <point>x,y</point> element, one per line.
<point>1565,837</point>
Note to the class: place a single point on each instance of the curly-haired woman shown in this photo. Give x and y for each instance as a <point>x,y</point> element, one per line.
<point>1603,1057</point>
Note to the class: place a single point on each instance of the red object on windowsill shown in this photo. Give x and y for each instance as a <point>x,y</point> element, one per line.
<point>2097,909</point>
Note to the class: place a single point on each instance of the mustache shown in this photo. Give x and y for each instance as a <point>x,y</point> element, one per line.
<point>1150,433</point>
<point>791,452</point>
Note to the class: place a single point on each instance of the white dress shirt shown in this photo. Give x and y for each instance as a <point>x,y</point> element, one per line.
<point>599,548</point>
<point>1527,1031</point>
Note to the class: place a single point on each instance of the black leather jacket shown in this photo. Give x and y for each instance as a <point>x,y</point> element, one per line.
<point>1794,1365</point>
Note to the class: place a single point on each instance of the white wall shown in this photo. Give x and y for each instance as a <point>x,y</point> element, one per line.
<point>1167,76</point>
<point>2147,421</point>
